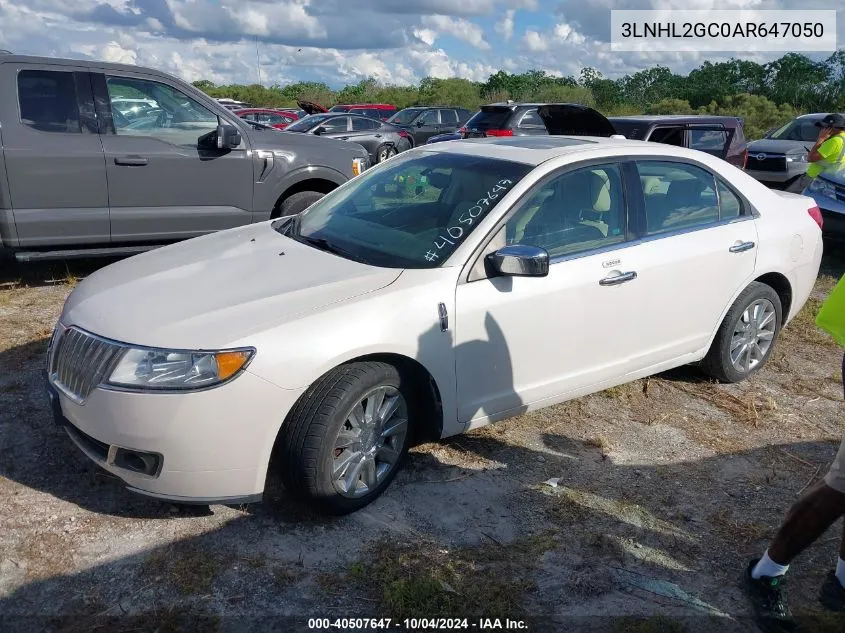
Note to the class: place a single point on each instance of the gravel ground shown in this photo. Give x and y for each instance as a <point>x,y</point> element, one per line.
<point>635,509</point>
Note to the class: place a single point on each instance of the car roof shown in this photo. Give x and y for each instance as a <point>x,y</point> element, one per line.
<point>813,115</point>
<point>91,63</point>
<point>676,118</point>
<point>534,150</point>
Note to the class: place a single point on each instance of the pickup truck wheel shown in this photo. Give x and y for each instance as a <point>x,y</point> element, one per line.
<point>384,152</point>
<point>346,438</point>
<point>299,201</point>
<point>747,335</point>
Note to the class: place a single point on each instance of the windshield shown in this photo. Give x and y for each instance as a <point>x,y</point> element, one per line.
<point>309,122</point>
<point>797,130</point>
<point>406,116</point>
<point>339,108</point>
<point>490,117</point>
<point>411,213</point>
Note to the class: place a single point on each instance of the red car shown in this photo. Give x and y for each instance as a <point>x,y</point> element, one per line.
<point>382,111</point>
<point>278,119</point>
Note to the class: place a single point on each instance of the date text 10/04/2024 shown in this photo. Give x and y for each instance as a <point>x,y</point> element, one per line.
<point>419,624</point>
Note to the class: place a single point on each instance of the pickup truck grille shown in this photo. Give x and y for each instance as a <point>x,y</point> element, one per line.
<point>762,161</point>
<point>840,192</point>
<point>78,362</point>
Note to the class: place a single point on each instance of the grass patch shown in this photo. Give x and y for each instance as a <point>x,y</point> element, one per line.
<point>190,570</point>
<point>425,580</point>
<point>732,530</point>
<point>746,409</point>
<point>803,328</point>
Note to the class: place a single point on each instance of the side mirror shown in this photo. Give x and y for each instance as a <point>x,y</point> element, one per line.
<point>520,260</point>
<point>320,130</point>
<point>420,123</point>
<point>228,136</point>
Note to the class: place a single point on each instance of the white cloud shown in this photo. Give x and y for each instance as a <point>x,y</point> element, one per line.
<point>426,35</point>
<point>505,26</point>
<point>534,41</point>
<point>459,28</point>
<point>566,32</point>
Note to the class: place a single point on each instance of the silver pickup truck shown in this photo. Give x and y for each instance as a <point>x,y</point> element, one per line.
<point>102,159</point>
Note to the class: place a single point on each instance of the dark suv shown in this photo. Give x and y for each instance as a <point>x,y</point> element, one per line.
<point>721,136</point>
<point>423,122</point>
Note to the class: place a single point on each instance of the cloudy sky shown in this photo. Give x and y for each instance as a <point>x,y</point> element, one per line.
<point>342,41</point>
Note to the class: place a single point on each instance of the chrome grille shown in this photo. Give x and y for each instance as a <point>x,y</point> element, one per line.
<point>762,161</point>
<point>79,362</point>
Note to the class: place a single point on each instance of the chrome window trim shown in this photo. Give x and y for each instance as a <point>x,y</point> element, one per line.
<point>749,211</point>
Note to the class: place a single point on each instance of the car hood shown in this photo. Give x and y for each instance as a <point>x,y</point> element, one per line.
<point>776,146</point>
<point>573,119</point>
<point>211,291</point>
<point>310,107</point>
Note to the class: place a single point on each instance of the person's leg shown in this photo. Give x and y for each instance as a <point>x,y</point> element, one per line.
<point>806,521</point>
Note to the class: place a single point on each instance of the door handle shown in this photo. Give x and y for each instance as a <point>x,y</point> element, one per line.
<point>615,280</point>
<point>378,135</point>
<point>130,161</point>
<point>343,138</point>
<point>741,247</point>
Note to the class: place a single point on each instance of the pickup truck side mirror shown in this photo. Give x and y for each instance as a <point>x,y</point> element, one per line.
<point>228,136</point>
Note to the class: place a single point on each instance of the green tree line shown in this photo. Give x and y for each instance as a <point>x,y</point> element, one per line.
<point>765,95</point>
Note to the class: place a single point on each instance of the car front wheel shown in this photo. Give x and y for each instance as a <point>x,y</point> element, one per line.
<point>346,438</point>
<point>747,335</point>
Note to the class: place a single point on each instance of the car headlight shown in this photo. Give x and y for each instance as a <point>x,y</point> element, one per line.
<point>823,187</point>
<point>358,166</point>
<point>145,369</point>
<point>796,158</point>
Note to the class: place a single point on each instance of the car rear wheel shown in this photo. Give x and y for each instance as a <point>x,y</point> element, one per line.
<point>346,438</point>
<point>385,152</point>
<point>299,201</point>
<point>747,335</point>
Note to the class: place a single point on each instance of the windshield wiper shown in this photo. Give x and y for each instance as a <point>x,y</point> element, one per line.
<point>323,244</point>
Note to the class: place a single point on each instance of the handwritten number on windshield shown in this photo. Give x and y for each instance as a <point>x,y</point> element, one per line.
<point>467,218</point>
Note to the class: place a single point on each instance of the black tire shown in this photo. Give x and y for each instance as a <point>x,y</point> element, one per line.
<point>718,362</point>
<point>384,152</point>
<point>307,438</point>
<point>299,201</point>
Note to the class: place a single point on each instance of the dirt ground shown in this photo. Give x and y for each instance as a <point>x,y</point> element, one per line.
<point>635,509</point>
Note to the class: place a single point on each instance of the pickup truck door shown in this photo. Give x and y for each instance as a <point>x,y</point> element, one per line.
<point>165,184</point>
<point>54,160</point>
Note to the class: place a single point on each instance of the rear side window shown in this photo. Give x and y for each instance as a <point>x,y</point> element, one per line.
<point>730,206</point>
<point>360,124</point>
<point>531,121</point>
<point>490,118</point>
<point>711,141</point>
<point>677,196</point>
<point>448,117</point>
<point>48,101</point>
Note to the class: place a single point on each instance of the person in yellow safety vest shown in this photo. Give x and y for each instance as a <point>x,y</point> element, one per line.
<point>828,154</point>
<point>807,520</point>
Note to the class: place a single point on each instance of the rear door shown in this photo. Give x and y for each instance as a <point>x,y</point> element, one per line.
<point>426,126</point>
<point>448,120</point>
<point>365,132</point>
<point>165,179</point>
<point>53,154</point>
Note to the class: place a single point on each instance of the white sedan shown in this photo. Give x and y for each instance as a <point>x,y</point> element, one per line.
<point>452,286</point>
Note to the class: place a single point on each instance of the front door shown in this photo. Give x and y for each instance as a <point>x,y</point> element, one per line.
<point>164,182</point>
<point>54,158</point>
<point>524,341</point>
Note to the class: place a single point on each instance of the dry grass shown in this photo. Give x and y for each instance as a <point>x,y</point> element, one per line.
<point>189,569</point>
<point>747,409</point>
<point>425,580</point>
<point>803,327</point>
<point>46,554</point>
<point>736,531</point>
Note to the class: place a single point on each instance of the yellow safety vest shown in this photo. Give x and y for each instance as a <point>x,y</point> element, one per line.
<point>831,316</point>
<point>833,156</point>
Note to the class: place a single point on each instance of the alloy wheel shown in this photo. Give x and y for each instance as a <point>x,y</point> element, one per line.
<point>370,442</point>
<point>753,335</point>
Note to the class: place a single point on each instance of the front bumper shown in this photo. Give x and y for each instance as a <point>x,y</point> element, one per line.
<point>776,177</point>
<point>214,446</point>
